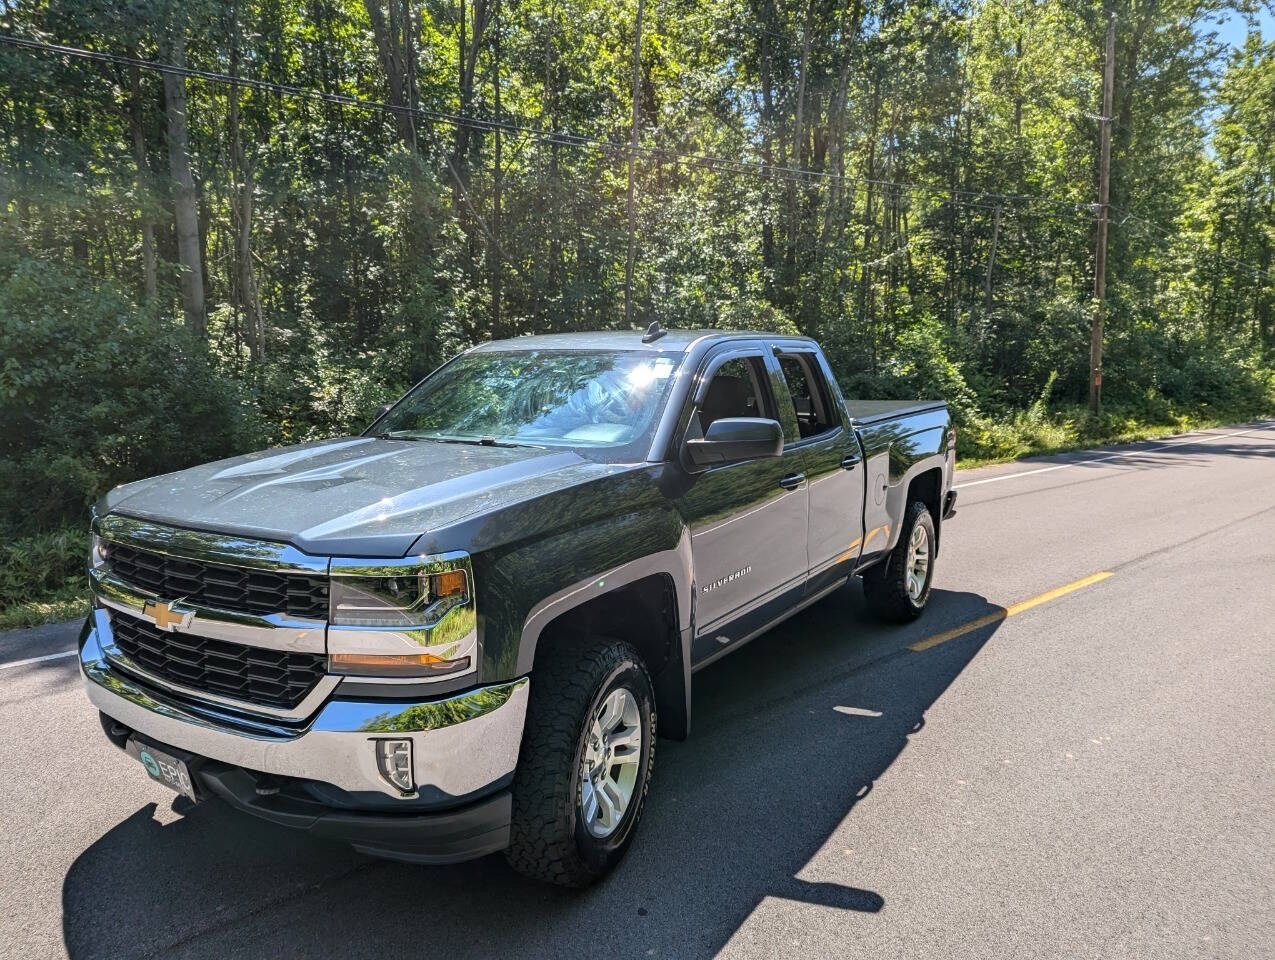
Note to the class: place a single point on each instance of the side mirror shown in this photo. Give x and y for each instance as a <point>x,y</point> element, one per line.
<point>734,440</point>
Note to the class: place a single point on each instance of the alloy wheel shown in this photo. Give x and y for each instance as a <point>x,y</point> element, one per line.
<point>918,562</point>
<point>609,767</point>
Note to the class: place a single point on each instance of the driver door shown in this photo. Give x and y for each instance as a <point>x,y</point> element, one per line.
<point>747,520</point>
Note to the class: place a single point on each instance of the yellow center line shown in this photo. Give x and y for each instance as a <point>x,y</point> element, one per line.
<point>1010,611</point>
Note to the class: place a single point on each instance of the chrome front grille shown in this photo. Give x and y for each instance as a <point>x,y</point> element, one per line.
<point>236,589</point>
<point>256,675</point>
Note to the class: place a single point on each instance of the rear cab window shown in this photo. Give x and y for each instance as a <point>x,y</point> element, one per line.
<point>811,397</point>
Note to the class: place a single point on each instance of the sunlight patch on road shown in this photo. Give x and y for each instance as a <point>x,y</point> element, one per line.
<point>998,615</point>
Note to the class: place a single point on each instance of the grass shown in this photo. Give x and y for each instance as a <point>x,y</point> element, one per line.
<point>70,602</point>
<point>1033,433</point>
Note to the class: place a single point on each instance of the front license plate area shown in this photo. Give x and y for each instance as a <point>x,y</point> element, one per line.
<point>162,767</point>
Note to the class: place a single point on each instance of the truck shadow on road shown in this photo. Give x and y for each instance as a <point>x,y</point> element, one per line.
<point>790,735</point>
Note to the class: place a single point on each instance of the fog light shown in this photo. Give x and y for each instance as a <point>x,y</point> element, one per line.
<point>394,760</point>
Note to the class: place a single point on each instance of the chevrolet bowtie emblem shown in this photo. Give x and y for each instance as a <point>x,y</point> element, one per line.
<point>167,616</point>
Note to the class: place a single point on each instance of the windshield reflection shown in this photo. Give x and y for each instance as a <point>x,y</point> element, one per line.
<point>589,399</point>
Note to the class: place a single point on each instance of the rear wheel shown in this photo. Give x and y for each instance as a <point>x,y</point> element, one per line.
<point>898,587</point>
<point>586,761</point>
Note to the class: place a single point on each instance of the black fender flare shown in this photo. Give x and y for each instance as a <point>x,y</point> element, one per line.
<point>673,682</point>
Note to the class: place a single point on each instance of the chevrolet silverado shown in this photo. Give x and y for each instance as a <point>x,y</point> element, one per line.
<point>461,631</point>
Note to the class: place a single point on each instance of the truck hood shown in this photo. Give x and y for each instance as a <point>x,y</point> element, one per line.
<point>355,496</point>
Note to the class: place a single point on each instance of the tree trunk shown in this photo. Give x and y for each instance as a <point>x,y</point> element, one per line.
<point>493,254</point>
<point>466,68</point>
<point>149,282</point>
<point>395,37</point>
<point>991,262</point>
<point>869,224</point>
<point>1018,95</point>
<point>798,140</point>
<point>184,197</point>
<point>246,280</point>
<point>835,209</point>
<point>630,197</point>
<point>389,43</point>
<point>767,132</point>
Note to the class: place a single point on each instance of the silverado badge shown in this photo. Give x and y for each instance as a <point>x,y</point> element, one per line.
<point>167,616</point>
<point>709,587</point>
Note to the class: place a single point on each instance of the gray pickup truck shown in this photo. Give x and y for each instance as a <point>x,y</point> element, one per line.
<point>461,631</point>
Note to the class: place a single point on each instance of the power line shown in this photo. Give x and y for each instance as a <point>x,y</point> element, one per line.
<point>961,197</point>
<point>1166,232</point>
<point>1199,245</point>
<point>974,198</point>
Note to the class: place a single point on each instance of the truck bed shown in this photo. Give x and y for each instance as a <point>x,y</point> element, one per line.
<point>875,411</point>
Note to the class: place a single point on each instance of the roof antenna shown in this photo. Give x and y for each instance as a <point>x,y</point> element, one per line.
<point>653,332</point>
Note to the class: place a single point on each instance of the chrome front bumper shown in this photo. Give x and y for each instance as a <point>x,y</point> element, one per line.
<point>462,746</point>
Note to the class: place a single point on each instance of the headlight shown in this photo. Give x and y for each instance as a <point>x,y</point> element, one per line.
<point>97,552</point>
<point>411,599</point>
<point>409,619</point>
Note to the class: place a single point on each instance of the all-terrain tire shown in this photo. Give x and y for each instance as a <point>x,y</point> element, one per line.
<point>885,586</point>
<point>548,839</point>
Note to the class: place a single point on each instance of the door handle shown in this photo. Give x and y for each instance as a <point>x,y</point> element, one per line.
<point>850,462</point>
<point>792,481</point>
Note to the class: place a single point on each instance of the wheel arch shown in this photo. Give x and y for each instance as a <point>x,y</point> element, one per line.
<point>646,603</point>
<point>927,487</point>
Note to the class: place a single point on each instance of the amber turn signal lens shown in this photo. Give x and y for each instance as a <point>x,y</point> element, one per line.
<point>450,584</point>
<point>395,665</point>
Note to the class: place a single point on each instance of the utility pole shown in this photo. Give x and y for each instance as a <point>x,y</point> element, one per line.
<point>991,262</point>
<point>1104,197</point>
<point>633,145</point>
<point>493,252</point>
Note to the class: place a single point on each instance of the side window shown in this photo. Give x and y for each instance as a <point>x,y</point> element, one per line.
<point>735,391</point>
<point>809,394</point>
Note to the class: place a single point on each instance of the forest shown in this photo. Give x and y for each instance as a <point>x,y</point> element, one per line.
<point>226,224</point>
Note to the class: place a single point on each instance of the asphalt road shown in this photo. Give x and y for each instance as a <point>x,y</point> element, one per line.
<point>1089,775</point>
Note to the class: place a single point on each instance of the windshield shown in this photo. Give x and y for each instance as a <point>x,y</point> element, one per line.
<point>561,398</point>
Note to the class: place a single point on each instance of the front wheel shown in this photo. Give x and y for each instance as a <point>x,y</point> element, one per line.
<point>587,753</point>
<point>898,587</point>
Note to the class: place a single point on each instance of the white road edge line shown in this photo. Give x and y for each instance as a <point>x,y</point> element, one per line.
<point>858,711</point>
<point>1112,456</point>
<point>48,656</point>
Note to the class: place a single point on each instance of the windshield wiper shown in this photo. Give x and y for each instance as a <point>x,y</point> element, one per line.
<point>470,441</point>
<point>399,435</point>
<point>493,442</point>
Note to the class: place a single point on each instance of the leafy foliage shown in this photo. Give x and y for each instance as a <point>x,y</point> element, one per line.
<point>94,392</point>
<point>912,183</point>
<point>42,577</point>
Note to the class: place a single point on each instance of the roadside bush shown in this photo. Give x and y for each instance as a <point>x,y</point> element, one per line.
<point>348,403</point>
<point>95,392</point>
<point>1153,374</point>
<point>1015,351</point>
<point>920,365</point>
<point>41,565</point>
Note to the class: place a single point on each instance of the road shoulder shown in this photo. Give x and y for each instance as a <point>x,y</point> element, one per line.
<point>46,640</point>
